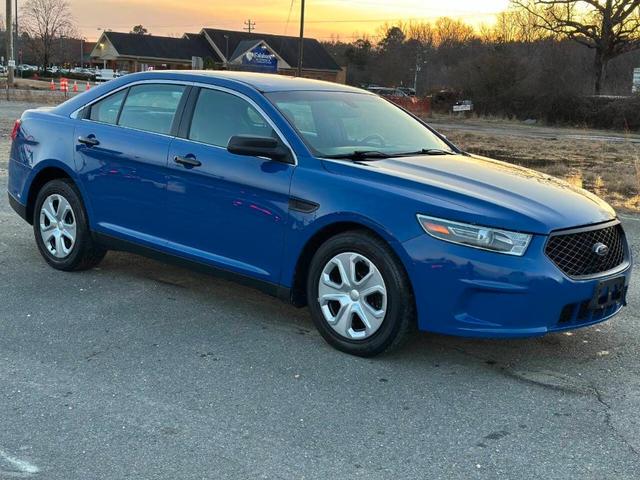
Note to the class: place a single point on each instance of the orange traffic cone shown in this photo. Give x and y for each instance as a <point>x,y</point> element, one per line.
<point>88,87</point>
<point>52,86</point>
<point>75,86</point>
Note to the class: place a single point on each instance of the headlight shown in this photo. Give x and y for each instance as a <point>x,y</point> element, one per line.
<point>501,241</point>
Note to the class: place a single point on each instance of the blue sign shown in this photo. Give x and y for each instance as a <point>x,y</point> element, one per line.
<point>260,59</point>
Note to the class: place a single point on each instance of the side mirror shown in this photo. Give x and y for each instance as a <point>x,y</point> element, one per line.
<point>267,147</point>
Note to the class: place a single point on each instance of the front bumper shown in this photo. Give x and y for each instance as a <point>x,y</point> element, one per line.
<point>469,292</point>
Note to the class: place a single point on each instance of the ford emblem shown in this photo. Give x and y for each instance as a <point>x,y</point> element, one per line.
<point>600,249</point>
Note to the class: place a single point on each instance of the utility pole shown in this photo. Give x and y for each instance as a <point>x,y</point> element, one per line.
<point>250,26</point>
<point>421,64</point>
<point>16,45</point>
<point>9,32</point>
<point>301,45</point>
<point>418,69</point>
<point>16,42</point>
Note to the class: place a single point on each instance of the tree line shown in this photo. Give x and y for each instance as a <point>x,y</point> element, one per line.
<point>548,59</point>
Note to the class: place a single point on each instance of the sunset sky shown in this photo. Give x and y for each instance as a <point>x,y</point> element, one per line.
<point>324,18</point>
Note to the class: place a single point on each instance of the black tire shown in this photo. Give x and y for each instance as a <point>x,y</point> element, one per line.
<point>85,253</point>
<point>400,317</point>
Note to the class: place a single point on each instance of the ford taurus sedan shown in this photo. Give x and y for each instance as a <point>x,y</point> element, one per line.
<point>323,195</point>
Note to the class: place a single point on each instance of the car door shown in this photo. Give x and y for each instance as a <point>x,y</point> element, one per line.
<point>226,210</point>
<point>121,157</point>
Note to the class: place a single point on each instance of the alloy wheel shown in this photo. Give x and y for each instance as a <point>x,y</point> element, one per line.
<point>352,296</point>
<point>58,226</point>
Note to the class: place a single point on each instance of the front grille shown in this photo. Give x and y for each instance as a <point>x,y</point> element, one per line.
<point>574,253</point>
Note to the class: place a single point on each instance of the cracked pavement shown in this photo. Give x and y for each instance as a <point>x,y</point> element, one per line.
<point>142,370</point>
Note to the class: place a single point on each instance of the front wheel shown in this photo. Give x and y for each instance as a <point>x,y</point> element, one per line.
<point>359,294</point>
<point>61,229</point>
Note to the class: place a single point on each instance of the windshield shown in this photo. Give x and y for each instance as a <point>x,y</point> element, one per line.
<point>339,123</point>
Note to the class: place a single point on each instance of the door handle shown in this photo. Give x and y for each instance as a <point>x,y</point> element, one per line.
<point>89,141</point>
<point>187,161</point>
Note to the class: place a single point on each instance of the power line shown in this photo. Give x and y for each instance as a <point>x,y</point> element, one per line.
<point>388,19</point>
<point>326,20</point>
<point>286,26</point>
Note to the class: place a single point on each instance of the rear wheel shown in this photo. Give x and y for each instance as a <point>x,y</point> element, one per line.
<point>61,229</point>
<point>359,294</point>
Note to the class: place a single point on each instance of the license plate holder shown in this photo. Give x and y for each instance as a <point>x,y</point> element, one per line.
<point>608,293</point>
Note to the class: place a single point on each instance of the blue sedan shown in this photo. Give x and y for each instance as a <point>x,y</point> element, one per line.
<point>323,195</point>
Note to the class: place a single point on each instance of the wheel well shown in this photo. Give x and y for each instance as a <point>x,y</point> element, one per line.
<point>44,176</point>
<point>299,287</point>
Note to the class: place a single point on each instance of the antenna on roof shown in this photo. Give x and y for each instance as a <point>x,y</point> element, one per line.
<point>250,26</point>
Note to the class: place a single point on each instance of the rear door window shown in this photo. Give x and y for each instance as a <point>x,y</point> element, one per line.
<point>151,107</point>
<point>218,116</point>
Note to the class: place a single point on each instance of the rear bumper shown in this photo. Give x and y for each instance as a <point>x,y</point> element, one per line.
<point>468,292</point>
<point>19,208</point>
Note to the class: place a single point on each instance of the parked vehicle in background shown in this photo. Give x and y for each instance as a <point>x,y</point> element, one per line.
<point>106,74</point>
<point>411,92</point>
<point>322,194</point>
<point>82,72</point>
<point>27,68</point>
<point>3,70</point>
<point>387,92</point>
<point>404,97</point>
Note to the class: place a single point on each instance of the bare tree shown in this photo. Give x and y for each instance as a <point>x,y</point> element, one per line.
<point>46,21</point>
<point>450,32</point>
<point>526,22</point>
<point>512,25</point>
<point>504,30</point>
<point>423,32</point>
<point>609,27</point>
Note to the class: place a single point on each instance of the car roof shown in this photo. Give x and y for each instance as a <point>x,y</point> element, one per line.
<point>263,82</point>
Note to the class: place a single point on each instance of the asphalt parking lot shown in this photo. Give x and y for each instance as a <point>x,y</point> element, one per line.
<point>142,370</point>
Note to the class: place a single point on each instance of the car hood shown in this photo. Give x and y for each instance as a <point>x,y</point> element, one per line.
<point>485,191</point>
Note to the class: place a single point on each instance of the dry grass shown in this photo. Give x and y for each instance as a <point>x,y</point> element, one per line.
<point>609,169</point>
<point>28,84</point>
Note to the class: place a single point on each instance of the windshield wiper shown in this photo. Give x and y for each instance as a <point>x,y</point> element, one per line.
<point>361,155</point>
<point>428,151</point>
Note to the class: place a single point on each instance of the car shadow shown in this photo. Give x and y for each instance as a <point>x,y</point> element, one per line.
<point>559,355</point>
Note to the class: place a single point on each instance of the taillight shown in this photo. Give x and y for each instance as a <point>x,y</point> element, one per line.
<point>16,129</point>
